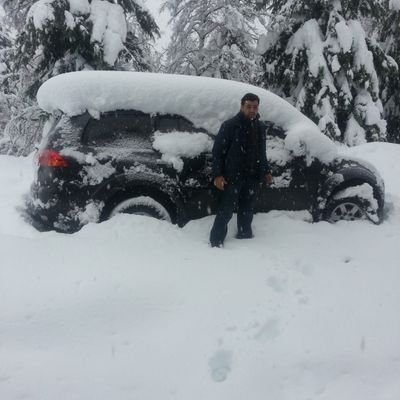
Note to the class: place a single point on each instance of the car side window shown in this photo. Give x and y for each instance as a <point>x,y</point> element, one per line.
<point>119,129</point>
<point>166,123</point>
<point>169,122</point>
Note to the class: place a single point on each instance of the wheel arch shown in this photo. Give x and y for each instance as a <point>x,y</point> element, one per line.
<point>343,179</point>
<point>118,189</point>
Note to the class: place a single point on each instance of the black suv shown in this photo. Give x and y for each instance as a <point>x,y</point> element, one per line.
<point>90,168</point>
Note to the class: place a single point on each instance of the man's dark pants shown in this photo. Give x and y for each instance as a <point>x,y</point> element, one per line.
<point>240,195</point>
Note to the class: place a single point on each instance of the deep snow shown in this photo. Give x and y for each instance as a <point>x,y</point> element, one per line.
<point>136,308</point>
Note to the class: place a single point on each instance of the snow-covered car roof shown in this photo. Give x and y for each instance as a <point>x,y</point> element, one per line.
<point>206,102</point>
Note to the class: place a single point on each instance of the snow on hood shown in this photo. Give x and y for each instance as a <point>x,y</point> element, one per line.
<point>206,102</point>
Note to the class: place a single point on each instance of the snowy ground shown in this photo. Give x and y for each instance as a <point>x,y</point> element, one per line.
<point>136,308</point>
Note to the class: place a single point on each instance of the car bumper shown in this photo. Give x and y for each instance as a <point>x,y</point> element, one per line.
<point>49,210</point>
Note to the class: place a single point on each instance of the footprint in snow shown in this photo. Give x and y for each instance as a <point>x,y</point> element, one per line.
<point>269,331</point>
<point>278,285</point>
<point>220,365</point>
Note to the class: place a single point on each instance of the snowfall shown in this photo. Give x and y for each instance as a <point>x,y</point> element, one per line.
<point>136,308</point>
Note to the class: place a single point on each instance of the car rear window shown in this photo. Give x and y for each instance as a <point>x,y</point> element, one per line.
<point>119,129</point>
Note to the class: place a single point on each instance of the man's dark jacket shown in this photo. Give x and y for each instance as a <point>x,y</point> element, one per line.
<point>229,155</point>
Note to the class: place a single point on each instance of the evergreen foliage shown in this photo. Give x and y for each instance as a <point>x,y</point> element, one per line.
<point>317,55</point>
<point>335,60</point>
<point>6,77</point>
<point>56,36</point>
<point>390,37</point>
<point>59,37</point>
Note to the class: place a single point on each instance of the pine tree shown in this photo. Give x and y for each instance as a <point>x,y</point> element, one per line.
<point>5,75</point>
<point>390,36</point>
<point>16,11</point>
<point>21,121</point>
<point>213,38</point>
<point>56,36</point>
<point>69,35</point>
<point>317,55</point>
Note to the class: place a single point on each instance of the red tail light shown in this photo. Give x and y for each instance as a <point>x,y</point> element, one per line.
<point>50,158</point>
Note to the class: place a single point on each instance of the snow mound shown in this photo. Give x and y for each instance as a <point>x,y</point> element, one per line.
<point>383,156</point>
<point>175,145</point>
<point>206,102</point>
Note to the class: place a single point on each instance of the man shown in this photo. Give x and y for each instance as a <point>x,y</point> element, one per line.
<point>239,166</point>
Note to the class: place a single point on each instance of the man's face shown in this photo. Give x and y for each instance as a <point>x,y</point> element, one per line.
<point>249,109</point>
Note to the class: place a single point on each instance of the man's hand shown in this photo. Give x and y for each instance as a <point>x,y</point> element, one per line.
<point>219,182</point>
<point>268,179</point>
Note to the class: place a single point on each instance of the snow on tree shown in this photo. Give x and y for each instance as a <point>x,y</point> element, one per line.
<point>390,36</point>
<point>316,54</point>
<point>214,38</point>
<point>5,74</point>
<point>16,11</point>
<point>56,36</point>
<point>69,35</point>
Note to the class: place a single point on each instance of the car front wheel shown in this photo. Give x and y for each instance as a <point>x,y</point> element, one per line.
<point>347,209</point>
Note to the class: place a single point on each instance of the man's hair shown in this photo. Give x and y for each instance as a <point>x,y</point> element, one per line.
<point>250,97</point>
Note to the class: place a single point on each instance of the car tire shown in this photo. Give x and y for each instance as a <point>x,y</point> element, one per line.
<point>142,205</point>
<point>347,209</point>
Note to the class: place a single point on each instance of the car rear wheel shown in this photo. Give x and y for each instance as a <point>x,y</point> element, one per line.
<point>347,209</point>
<point>142,205</point>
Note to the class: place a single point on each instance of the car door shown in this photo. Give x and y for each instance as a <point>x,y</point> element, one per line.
<point>290,187</point>
<point>194,167</point>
